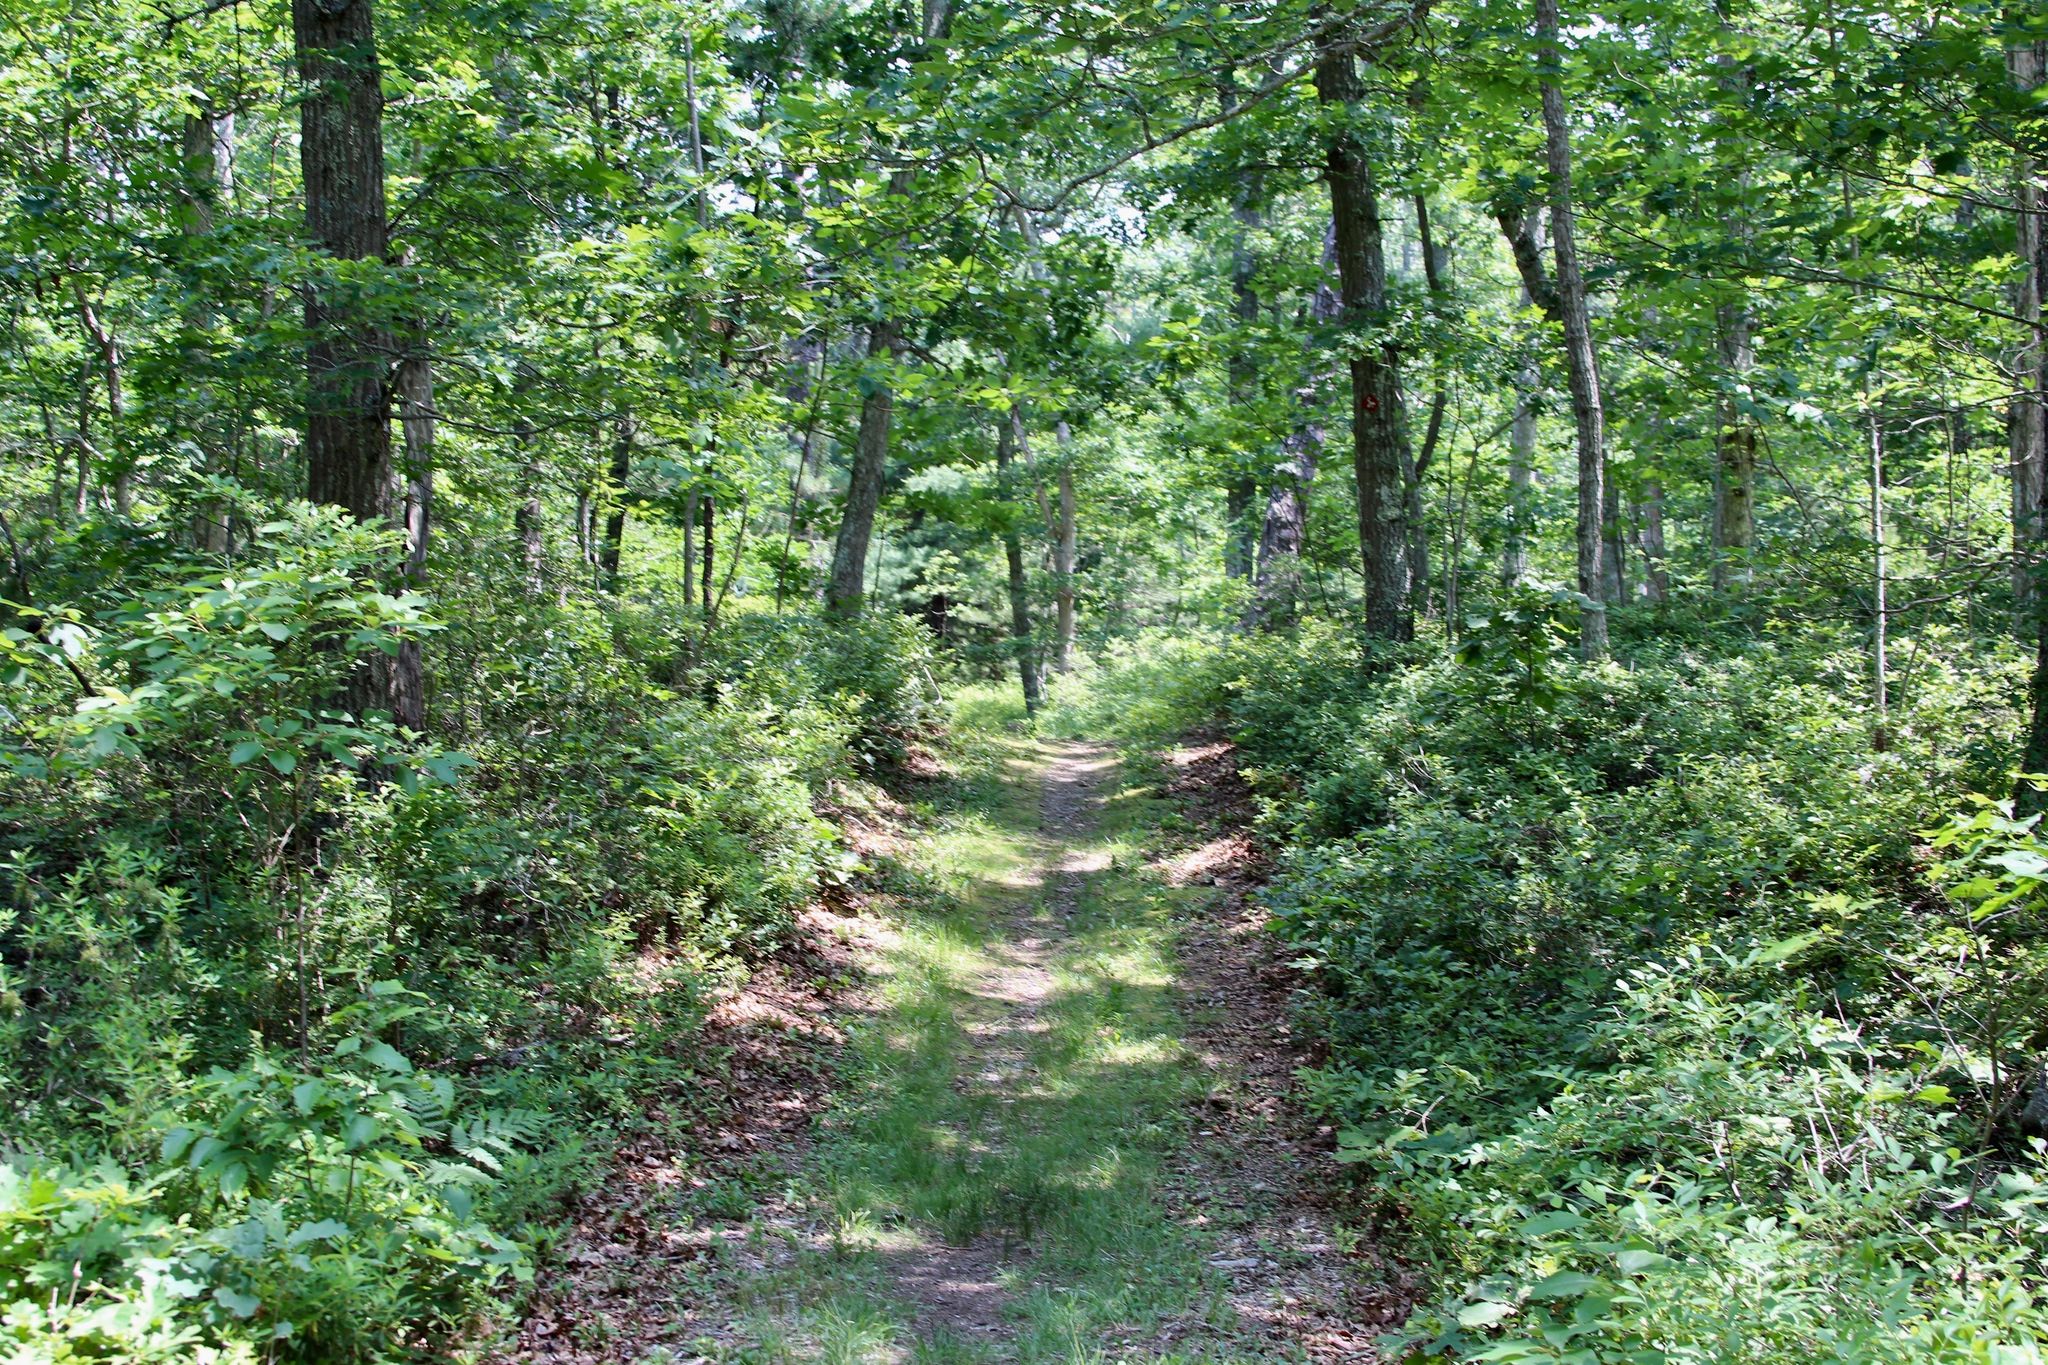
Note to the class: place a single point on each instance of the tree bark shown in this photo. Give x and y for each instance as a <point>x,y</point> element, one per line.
<point>1241,371</point>
<point>1581,363</point>
<point>848,583</point>
<point>1522,431</point>
<point>1735,451</point>
<point>1521,477</point>
<point>709,507</point>
<point>341,154</point>
<point>1064,555</point>
<point>690,548</point>
<point>1380,453</point>
<point>1650,540</point>
<point>209,181</point>
<point>2027,416</point>
<point>1435,270</point>
<point>1013,558</point>
<point>1276,590</point>
<point>1239,535</point>
<point>526,522</point>
<point>623,434</point>
<point>847,586</point>
<point>404,676</point>
<point>107,346</point>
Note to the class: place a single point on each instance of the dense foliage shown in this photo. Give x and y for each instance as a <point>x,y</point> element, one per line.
<point>481,485</point>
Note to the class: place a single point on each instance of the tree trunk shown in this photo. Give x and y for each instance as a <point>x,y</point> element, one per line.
<point>1880,616</point>
<point>1581,363</point>
<point>2027,416</point>
<point>404,677</point>
<point>1735,451</point>
<point>526,522</point>
<point>209,180</point>
<point>107,346</point>
<point>1613,543</point>
<point>848,583</point>
<point>615,519</point>
<point>1435,268</point>
<point>1521,476</point>
<point>1238,528</point>
<point>847,586</point>
<point>1522,431</point>
<point>341,153</point>
<point>1276,591</point>
<point>710,511</point>
<point>1013,557</point>
<point>417,424</point>
<point>1064,556</point>
<point>1241,372</point>
<point>690,548</point>
<point>1650,539</point>
<point>1379,437</point>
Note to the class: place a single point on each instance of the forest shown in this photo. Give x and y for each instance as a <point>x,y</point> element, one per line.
<point>947,682</point>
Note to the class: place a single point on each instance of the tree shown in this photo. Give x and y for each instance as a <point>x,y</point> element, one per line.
<point>1379,435</point>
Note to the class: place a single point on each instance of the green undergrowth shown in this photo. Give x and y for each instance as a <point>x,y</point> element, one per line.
<point>1044,1147</point>
<point>310,1025</point>
<point>1675,1017</point>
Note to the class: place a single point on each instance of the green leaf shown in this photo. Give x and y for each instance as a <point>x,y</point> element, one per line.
<point>240,1304</point>
<point>1565,1284</point>
<point>1484,1314</point>
<point>1556,1220</point>
<point>1636,1262</point>
<point>1784,948</point>
<point>245,751</point>
<point>388,1057</point>
<point>324,1230</point>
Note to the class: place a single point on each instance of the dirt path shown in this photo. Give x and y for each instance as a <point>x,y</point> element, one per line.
<point>1062,1135</point>
<point>958,1289</point>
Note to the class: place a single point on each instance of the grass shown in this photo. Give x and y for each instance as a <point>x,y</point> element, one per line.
<point>1037,1132</point>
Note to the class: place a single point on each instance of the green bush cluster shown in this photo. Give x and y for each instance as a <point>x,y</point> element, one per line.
<point>307,1022</point>
<point>1650,999</point>
<point>1642,1005</point>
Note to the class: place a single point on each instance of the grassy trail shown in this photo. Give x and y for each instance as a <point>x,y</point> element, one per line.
<point>1010,1175</point>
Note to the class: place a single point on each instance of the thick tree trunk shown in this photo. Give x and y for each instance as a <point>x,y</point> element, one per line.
<point>1013,558</point>
<point>1735,451</point>
<point>1379,436</point>
<point>1581,364</point>
<point>341,153</point>
<point>848,584</point>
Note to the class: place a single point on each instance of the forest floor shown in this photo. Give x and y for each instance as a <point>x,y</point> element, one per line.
<point>1059,1129</point>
